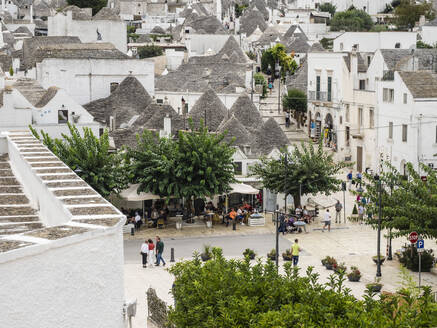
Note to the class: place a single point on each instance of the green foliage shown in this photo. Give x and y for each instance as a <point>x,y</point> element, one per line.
<point>408,203</point>
<point>295,100</point>
<point>251,55</point>
<point>355,210</point>
<point>223,293</point>
<point>196,165</point>
<point>407,13</point>
<point>11,71</point>
<point>327,43</point>
<point>328,7</point>
<point>388,9</point>
<point>379,28</point>
<point>410,259</point>
<point>96,5</point>
<point>131,29</point>
<point>307,165</point>
<point>260,79</point>
<point>351,20</point>
<point>149,51</point>
<point>249,252</point>
<point>275,54</point>
<point>423,45</point>
<point>239,9</point>
<point>89,156</point>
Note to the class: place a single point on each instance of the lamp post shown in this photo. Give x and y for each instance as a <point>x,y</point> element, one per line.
<point>278,76</point>
<point>378,249</point>
<point>390,255</point>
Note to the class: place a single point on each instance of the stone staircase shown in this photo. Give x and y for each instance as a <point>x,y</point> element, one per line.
<point>269,109</point>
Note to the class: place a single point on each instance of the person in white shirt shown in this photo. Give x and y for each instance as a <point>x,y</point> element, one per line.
<point>138,221</point>
<point>144,252</point>
<point>327,220</point>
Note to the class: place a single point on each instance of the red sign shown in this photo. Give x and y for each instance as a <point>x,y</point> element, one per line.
<point>413,237</point>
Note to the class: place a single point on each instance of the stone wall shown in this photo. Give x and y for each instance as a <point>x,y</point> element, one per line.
<point>158,311</point>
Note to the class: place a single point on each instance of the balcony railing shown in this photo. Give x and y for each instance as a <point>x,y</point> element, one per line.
<point>388,76</point>
<point>317,96</point>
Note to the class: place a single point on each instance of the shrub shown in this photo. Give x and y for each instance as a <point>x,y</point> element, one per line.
<point>149,51</point>
<point>355,274</point>
<point>260,79</point>
<point>411,262</point>
<point>272,254</point>
<point>249,253</point>
<point>11,71</point>
<point>206,254</point>
<point>287,256</point>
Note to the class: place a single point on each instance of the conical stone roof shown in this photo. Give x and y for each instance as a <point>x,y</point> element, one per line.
<point>246,112</point>
<point>209,105</point>
<point>156,122</point>
<point>233,51</point>
<point>268,137</point>
<point>235,129</point>
<point>250,20</point>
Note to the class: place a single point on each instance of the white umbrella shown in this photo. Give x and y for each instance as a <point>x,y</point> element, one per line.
<point>131,194</point>
<point>242,188</point>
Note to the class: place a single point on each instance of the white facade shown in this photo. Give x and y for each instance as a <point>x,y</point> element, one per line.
<point>86,80</point>
<point>372,41</point>
<point>429,34</point>
<point>200,44</point>
<point>88,31</point>
<point>372,7</point>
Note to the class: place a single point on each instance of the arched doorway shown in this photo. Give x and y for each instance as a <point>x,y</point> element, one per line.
<point>330,139</point>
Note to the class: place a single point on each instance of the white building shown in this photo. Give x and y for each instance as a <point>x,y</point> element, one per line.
<point>372,7</point>
<point>372,41</point>
<point>61,244</point>
<point>105,26</point>
<point>428,32</point>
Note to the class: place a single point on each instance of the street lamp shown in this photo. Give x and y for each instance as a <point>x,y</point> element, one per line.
<point>278,76</point>
<point>378,250</point>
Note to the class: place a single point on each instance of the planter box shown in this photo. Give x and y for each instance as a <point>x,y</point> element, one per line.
<point>376,288</point>
<point>273,258</point>
<point>329,266</point>
<point>287,258</point>
<point>354,279</point>
<point>382,259</point>
<point>205,257</point>
<point>251,256</point>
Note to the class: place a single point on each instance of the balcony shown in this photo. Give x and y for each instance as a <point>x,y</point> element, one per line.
<point>318,96</point>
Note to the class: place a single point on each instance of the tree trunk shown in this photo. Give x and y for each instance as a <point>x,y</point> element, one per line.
<point>296,198</point>
<point>298,119</point>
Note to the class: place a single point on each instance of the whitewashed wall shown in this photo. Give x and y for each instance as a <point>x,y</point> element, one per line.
<point>198,44</point>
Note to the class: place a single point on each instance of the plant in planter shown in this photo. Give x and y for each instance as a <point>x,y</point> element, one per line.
<point>354,275</point>
<point>287,256</point>
<point>330,262</point>
<point>339,267</point>
<point>374,287</point>
<point>249,253</point>
<point>410,259</point>
<point>381,258</point>
<point>272,255</point>
<point>206,254</point>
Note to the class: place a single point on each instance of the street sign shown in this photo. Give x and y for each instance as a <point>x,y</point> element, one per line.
<point>420,245</point>
<point>413,237</point>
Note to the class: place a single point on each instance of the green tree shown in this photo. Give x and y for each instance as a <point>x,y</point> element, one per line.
<point>196,165</point>
<point>149,51</point>
<point>278,54</point>
<point>423,45</point>
<point>351,20</point>
<point>308,169</point>
<point>223,293</point>
<point>295,100</point>
<point>407,13</point>
<point>407,203</point>
<point>260,79</point>
<point>328,8</point>
<point>90,158</point>
<point>96,5</point>
<point>239,9</point>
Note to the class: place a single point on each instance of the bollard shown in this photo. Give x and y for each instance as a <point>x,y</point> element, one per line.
<point>234,225</point>
<point>132,231</point>
<point>172,254</point>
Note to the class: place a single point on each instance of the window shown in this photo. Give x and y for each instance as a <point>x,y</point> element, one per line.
<point>369,59</point>
<point>404,132</point>
<point>362,84</point>
<point>347,114</point>
<point>341,119</point>
<point>348,136</point>
<point>341,45</point>
<point>329,87</point>
<point>238,168</point>
<point>405,98</point>
<point>360,117</point>
<point>159,101</point>
<point>113,86</point>
<point>390,130</point>
<point>62,116</point>
<point>397,45</point>
<point>318,87</point>
<point>371,118</point>
<point>388,95</point>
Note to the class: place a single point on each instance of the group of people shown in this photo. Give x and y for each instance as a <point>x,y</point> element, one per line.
<point>149,251</point>
<point>357,181</point>
<point>237,214</point>
<point>296,221</point>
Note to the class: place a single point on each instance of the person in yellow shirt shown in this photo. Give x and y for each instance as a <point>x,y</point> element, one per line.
<point>295,249</point>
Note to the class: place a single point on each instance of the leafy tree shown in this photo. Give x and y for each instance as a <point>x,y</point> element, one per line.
<point>260,79</point>
<point>407,203</point>
<point>328,7</point>
<point>423,45</point>
<point>239,9</point>
<point>96,5</point>
<point>278,54</point>
<point>225,293</point>
<point>407,13</point>
<point>89,156</point>
<point>351,20</point>
<point>306,170</point>
<point>327,43</point>
<point>196,165</point>
<point>295,100</point>
<point>149,51</point>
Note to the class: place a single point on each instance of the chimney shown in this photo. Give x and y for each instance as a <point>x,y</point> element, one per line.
<point>31,12</point>
<point>111,123</point>
<point>354,67</point>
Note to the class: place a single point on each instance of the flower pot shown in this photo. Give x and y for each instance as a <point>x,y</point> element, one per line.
<point>354,278</point>
<point>375,288</point>
<point>251,256</point>
<point>329,266</point>
<point>375,259</point>
<point>273,258</point>
<point>287,257</point>
<point>205,257</point>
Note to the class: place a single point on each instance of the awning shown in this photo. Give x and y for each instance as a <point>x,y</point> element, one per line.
<point>131,194</point>
<point>242,188</point>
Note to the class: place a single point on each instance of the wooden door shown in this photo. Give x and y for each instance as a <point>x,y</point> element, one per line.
<point>359,159</point>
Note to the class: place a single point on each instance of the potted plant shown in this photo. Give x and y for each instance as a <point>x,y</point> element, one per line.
<point>339,267</point>
<point>374,287</point>
<point>329,262</point>
<point>375,259</point>
<point>272,255</point>
<point>354,275</point>
<point>287,256</point>
<point>206,254</point>
<point>249,253</point>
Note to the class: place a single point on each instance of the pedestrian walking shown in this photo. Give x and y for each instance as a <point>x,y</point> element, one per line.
<point>151,251</point>
<point>270,87</point>
<point>338,208</point>
<point>361,213</point>
<point>287,119</point>
<point>159,251</point>
<point>295,249</point>
<point>327,220</point>
<point>144,252</point>
<point>138,221</point>
<point>359,178</point>
<point>349,179</point>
